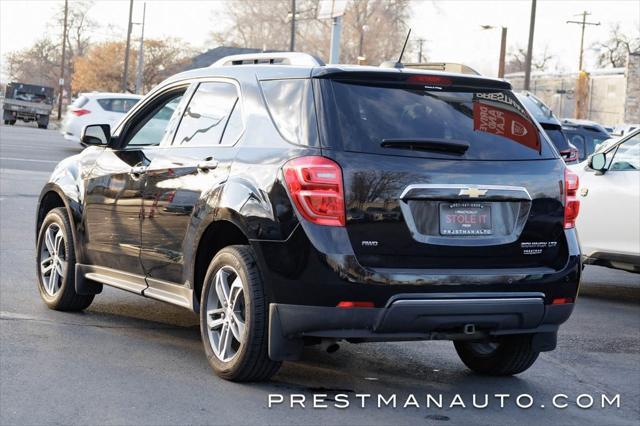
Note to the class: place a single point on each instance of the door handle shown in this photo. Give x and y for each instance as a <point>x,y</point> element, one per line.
<point>138,171</point>
<point>207,164</point>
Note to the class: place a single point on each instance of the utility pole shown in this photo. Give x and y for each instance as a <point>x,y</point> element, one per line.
<point>64,54</point>
<point>141,54</point>
<point>583,23</point>
<point>503,52</point>
<point>420,41</point>
<point>527,68</point>
<point>126,50</point>
<point>292,42</point>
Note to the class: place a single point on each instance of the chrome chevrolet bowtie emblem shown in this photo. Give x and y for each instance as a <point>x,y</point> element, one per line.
<point>473,192</point>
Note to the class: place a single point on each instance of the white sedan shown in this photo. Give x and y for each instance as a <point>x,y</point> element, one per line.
<point>609,219</point>
<point>96,108</point>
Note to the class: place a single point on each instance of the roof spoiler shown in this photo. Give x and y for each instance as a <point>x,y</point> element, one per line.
<point>271,58</point>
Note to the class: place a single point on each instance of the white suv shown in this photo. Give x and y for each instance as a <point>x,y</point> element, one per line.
<point>608,223</point>
<point>96,108</point>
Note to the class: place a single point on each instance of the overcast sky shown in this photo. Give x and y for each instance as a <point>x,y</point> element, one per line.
<point>452,27</point>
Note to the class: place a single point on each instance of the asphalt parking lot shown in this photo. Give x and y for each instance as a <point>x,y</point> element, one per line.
<point>130,360</point>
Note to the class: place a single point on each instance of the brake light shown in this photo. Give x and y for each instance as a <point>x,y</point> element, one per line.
<point>571,202</point>
<point>570,155</point>
<point>315,185</point>
<point>435,80</point>
<point>352,304</point>
<point>80,112</point>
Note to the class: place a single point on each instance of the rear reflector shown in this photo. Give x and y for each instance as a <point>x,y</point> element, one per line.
<point>315,186</point>
<point>80,112</point>
<point>562,300</point>
<point>571,202</point>
<point>351,304</point>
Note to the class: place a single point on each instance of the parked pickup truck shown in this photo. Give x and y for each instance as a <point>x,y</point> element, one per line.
<point>27,102</point>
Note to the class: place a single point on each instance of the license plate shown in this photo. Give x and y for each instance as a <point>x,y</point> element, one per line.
<point>465,219</point>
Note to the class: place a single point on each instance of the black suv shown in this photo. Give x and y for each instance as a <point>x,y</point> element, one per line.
<point>290,203</point>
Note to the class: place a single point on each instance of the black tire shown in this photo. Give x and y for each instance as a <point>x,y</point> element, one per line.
<point>12,122</point>
<point>506,356</point>
<point>65,298</point>
<point>251,361</point>
<point>42,126</point>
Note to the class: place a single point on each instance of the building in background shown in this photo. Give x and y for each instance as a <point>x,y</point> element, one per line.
<point>612,95</point>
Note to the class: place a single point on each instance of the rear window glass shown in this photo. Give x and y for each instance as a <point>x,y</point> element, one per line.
<point>493,124</point>
<point>117,104</point>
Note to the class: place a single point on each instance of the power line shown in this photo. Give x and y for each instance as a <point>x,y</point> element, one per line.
<point>583,23</point>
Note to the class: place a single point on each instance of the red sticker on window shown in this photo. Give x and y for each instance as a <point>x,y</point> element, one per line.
<point>504,122</point>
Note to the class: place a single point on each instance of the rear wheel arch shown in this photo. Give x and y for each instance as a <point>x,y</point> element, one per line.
<point>218,235</point>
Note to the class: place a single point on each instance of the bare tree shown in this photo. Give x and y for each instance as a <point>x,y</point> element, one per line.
<point>614,51</point>
<point>38,64</point>
<point>265,24</point>
<point>516,60</point>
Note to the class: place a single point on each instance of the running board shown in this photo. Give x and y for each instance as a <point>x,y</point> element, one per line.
<point>88,277</point>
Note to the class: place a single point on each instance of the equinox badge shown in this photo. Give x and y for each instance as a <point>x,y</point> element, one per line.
<point>473,192</point>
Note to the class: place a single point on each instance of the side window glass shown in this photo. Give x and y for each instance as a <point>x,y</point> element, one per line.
<point>234,126</point>
<point>156,124</point>
<point>206,117</point>
<point>627,156</point>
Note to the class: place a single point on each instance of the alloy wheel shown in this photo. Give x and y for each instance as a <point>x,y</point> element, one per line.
<point>53,259</point>
<point>226,314</point>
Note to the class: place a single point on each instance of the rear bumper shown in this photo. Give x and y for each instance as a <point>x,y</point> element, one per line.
<point>451,316</point>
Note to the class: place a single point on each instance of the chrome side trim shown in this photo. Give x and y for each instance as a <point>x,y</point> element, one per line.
<point>114,278</point>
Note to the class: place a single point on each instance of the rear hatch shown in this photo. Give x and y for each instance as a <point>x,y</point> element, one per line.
<point>442,172</point>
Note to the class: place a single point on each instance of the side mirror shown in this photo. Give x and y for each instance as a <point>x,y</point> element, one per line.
<point>96,134</point>
<point>598,162</point>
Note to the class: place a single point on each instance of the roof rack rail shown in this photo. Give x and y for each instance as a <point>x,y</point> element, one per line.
<point>273,58</point>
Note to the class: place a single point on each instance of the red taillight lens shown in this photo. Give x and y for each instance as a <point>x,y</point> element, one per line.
<point>315,185</point>
<point>435,80</point>
<point>351,304</point>
<point>571,202</point>
<point>80,112</point>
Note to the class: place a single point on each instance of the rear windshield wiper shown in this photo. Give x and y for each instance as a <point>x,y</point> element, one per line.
<point>435,145</point>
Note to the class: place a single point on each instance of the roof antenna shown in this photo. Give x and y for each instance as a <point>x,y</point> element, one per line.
<point>406,40</point>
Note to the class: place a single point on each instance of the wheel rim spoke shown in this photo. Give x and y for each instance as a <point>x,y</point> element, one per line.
<point>59,238</point>
<point>46,265</point>
<point>237,327</point>
<point>222,288</point>
<point>49,241</point>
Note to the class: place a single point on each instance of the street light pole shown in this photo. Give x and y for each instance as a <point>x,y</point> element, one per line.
<point>583,23</point>
<point>141,54</point>
<point>126,50</point>
<point>527,66</point>
<point>64,53</point>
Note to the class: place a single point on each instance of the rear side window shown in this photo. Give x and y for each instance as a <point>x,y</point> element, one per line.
<point>207,116</point>
<point>80,102</point>
<point>290,104</point>
<point>117,104</point>
<point>493,123</point>
<point>557,136</point>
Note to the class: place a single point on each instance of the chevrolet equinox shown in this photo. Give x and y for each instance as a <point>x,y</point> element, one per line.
<point>292,203</point>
